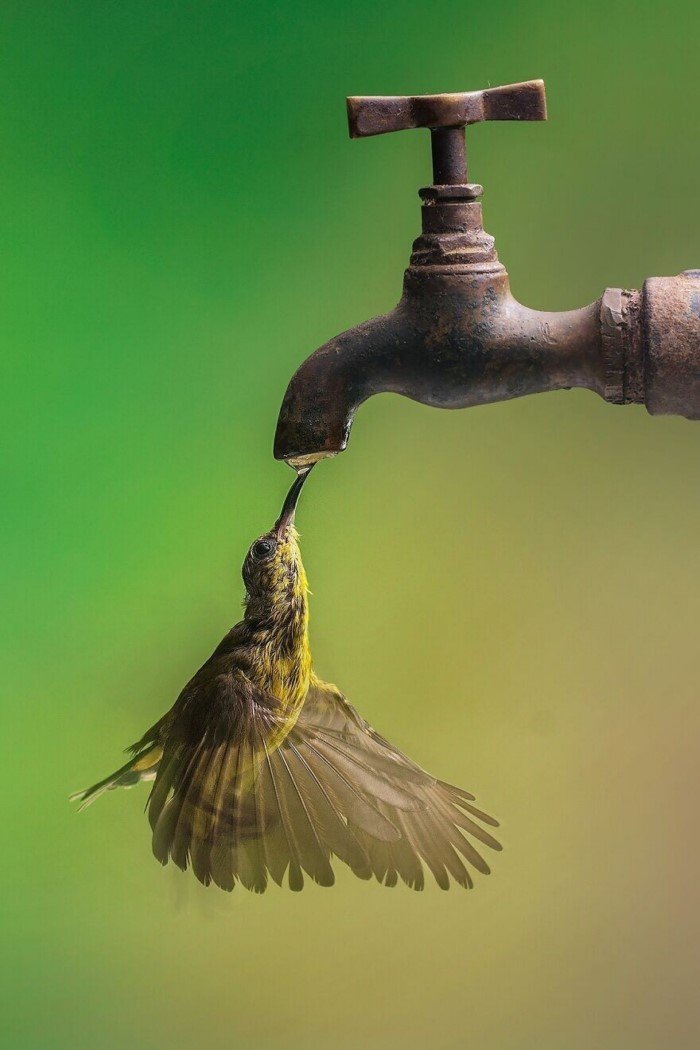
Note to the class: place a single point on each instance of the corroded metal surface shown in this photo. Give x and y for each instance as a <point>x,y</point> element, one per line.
<point>623,360</point>
<point>458,338</point>
<point>671,336</point>
<point>446,116</point>
<point>379,114</point>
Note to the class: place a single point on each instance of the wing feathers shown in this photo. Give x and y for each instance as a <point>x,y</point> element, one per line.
<point>247,803</point>
<point>332,827</point>
<point>314,856</point>
<point>375,783</point>
<point>358,808</point>
<point>296,879</point>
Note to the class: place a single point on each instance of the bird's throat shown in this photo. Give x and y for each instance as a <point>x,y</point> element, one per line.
<point>281,656</point>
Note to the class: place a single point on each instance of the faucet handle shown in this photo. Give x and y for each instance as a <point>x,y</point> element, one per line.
<point>446,116</point>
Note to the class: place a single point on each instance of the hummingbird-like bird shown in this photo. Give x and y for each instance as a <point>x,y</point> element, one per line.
<point>262,770</point>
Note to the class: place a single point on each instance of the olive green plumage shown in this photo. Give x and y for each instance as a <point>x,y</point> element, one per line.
<point>261,770</point>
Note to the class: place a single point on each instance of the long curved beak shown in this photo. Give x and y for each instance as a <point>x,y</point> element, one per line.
<point>289,507</point>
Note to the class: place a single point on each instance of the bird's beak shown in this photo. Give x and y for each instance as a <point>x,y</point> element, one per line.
<point>289,507</point>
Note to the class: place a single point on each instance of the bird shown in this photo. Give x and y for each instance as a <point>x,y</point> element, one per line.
<point>263,771</point>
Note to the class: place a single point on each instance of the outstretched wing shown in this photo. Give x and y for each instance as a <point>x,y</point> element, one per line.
<point>440,826</point>
<point>236,801</point>
<point>240,796</point>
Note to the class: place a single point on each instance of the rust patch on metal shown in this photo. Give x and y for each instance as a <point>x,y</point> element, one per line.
<point>621,346</point>
<point>671,327</point>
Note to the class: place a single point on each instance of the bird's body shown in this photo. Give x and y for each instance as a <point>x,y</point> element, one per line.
<point>262,769</point>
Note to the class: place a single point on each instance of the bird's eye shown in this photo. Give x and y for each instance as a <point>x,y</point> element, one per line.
<point>263,549</point>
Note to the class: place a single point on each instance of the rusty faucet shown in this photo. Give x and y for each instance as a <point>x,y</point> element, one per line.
<point>458,337</point>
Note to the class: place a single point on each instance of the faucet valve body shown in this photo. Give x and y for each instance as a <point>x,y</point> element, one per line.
<point>457,337</point>
<point>453,235</point>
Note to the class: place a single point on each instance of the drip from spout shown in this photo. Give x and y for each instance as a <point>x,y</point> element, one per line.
<point>305,463</point>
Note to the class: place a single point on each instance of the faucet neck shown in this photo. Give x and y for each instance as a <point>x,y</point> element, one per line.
<point>453,231</point>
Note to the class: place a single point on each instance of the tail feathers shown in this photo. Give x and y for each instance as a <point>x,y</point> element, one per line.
<point>143,767</point>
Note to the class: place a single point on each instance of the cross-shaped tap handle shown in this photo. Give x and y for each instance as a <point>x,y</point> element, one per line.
<point>446,116</point>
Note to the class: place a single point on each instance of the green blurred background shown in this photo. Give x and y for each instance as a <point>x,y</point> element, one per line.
<point>509,593</point>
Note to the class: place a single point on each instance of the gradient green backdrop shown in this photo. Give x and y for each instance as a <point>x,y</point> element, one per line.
<point>509,593</point>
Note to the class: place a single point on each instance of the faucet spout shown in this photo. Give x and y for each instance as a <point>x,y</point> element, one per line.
<point>456,339</point>
<point>327,389</point>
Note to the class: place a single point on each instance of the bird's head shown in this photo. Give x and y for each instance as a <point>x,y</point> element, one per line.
<point>273,568</point>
